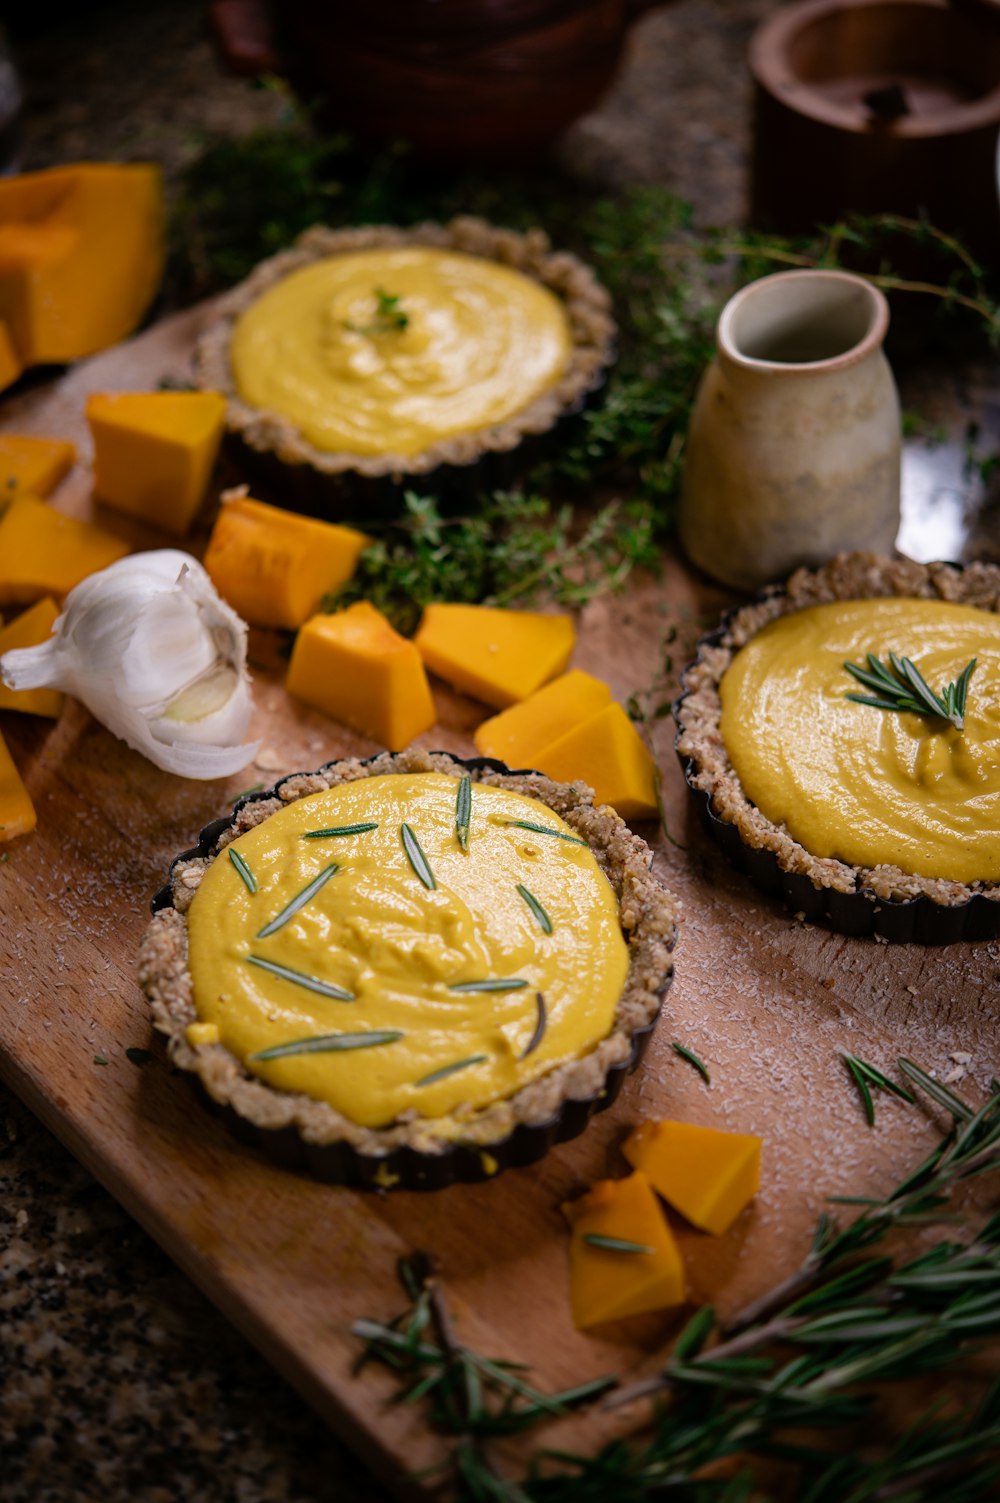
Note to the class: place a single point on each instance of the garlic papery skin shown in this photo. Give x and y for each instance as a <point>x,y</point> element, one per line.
<point>156,656</point>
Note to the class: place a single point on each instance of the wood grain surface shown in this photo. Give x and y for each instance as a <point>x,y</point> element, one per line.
<point>768,1002</point>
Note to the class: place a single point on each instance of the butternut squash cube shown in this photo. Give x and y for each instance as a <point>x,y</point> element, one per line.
<point>274,566</point>
<point>154,452</point>
<point>17,812</point>
<point>81,256</point>
<point>495,655</point>
<point>607,752</point>
<point>32,627</point>
<point>610,1283</point>
<point>43,552</point>
<point>517,735</point>
<point>11,364</point>
<point>359,670</point>
<point>32,466</point>
<point>706,1174</point>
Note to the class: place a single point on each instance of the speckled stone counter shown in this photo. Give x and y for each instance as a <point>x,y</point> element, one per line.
<point>117,1380</point>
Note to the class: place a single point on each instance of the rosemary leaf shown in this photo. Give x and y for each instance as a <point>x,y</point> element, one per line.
<point>416,857</point>
<point>536,908</point>
<point>540,1024</point>
<point>491,984</point>
<point>446,1070</point>
<point>527,824</point>
<point>299,978</point>
<point>615,1244</point>
<point>339,830</point>
<point>330,1043</point>
<point>463,810</point>
<point>858,1076</point>
<point>693,1059</point>
<point>250,881</point>
<point>299,901</point>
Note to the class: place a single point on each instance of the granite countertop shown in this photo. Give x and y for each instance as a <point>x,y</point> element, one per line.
<point>117,1379</point>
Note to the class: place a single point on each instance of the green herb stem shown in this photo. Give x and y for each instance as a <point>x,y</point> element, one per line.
<point>249,880</point>
<point>536,908</point>
<point>527,824</point>
<point>463,810</point>
<point>615,1244</point>
<point>335,830</point>
<point>446,1070</point>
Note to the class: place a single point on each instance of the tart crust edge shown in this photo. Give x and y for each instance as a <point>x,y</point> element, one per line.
<point>649,918</point>
<point>587,305</point>
<point>698,710</point>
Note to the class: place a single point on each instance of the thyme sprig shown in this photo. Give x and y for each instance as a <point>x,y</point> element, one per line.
<point>389,317</point>
<point>905,688</point>
<point>795,1366</point>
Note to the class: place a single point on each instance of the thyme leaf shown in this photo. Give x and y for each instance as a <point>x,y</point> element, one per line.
<point>299,901</point>
<point>389,317</point>
<point>416,857</point>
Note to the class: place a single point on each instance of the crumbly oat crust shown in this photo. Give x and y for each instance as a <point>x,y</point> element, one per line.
<point>850,576</point>
<point>648,916</point>
<point>587,305</point>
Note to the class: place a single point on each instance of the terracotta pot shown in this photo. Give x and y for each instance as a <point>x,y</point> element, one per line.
<point>793,451</point>
<point>497,79</point>
<point>877,105</point>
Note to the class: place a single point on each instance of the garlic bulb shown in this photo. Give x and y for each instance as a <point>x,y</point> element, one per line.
<point>157,657</point>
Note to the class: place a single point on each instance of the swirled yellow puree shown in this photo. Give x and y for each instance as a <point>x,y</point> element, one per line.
<point>376,930</point>
<point>865,785</point>
<point>464,343</point>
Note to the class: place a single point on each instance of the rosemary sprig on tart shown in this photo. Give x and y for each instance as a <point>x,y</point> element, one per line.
<point>902,686</point>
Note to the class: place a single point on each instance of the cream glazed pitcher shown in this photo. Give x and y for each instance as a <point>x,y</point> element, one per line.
<point>793,450</point>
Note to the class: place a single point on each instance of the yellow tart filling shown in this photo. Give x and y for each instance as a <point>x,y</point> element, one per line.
<point>864,785</point>
<point>389,351</point>
<point>385,968</point>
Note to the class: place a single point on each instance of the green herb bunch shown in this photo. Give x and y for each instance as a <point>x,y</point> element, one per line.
<point>782,1397</point>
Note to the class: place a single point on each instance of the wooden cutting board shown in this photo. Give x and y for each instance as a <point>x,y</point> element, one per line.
<point>768,1002</point>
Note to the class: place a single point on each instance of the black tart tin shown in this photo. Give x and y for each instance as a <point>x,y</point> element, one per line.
<point>407,1168</point>
<point>861,913</point>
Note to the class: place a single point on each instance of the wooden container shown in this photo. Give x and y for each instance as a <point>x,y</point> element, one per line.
<point>877,106</point>
<point>494,80</point>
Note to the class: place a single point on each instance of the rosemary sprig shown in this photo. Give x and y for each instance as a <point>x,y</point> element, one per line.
<point>360,829</point>
<point>905,688</point>
<point>330,1043</point>
<point>451,1069</point>
<point>541,1022</point>
<point>299,978</point>
<point>299,901</point>
<point>692,1059</point>
<point>249,880</point>
<point>463,810</point>
<point>796,1364</point>
<point>527,824</point>
<point>417,859</point>
<point>536,908</point>
<point>615,1244</point>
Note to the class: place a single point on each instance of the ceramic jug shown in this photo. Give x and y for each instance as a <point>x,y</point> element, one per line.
<point>793,451</point>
